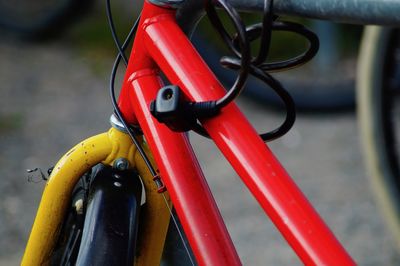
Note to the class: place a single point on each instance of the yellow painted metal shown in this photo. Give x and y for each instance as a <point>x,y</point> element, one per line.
<point>104,148</point>
<point>155,218</point>
<point>57,193</point>
<point>122,147</point>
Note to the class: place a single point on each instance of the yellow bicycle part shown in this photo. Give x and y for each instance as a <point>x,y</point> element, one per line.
<point>104,148</point>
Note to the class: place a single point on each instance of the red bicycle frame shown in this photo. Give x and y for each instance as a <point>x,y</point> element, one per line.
<point>161,44</point>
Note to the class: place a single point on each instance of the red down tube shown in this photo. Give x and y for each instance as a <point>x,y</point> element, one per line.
<point>184,180</point>
<point>254,162</point>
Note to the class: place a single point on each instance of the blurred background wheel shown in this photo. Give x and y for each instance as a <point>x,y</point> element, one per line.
<point>378,99</point>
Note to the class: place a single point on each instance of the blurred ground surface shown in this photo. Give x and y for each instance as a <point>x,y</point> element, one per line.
<point>51,97</point>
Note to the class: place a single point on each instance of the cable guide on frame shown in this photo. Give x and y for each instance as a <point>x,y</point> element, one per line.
<point>172,109</point>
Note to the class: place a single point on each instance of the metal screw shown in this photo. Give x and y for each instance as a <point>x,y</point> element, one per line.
<point>121,164</point>
<point>117,184</point>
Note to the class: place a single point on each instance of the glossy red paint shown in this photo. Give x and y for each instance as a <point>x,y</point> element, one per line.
<point>160,42</point>
<point>139,58</point>
<point>182,176</point>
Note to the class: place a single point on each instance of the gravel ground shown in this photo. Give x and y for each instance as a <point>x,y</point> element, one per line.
<point>51,98</point>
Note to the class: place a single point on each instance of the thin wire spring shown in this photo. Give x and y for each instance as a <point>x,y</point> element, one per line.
<point>122,55</point>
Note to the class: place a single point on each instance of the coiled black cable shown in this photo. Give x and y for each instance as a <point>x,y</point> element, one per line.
<point>242,51</point>
<point>243,61</point>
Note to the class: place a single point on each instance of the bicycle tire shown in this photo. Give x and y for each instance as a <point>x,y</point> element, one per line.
<point>72,224</point>
<point>105,232</point>
<point>377,66</point>
<point>38,20</point>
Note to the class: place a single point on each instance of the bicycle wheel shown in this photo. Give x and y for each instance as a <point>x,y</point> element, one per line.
<point>37,19</point>
<point>378,98</point>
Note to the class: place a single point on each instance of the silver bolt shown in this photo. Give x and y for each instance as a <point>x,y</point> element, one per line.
<point>117,184</point>
<point>121,164</point>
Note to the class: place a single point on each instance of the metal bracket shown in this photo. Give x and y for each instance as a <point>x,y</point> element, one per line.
<point>115,123</point>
